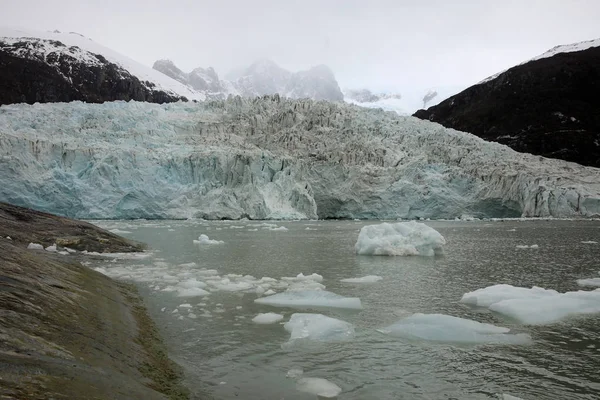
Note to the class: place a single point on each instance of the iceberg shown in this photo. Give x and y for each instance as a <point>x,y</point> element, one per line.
<point>204,239</point>
<point>446,328</point>
<point>535,306</point>
<point>318,327</point>
<point>322,388</point>
<point>310,298</point>
<point>267,318</point>
<point>270,158</point>
<point>399,239</point>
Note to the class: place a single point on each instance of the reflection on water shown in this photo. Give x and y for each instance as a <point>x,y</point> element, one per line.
<point>226,356</point>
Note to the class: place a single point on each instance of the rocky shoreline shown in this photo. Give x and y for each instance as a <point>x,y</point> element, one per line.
<point>67,331</point>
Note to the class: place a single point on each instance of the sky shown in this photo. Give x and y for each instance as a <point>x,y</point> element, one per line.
<point>392,45</point>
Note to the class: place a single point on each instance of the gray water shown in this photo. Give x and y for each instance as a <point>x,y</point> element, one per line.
<point>226,356</point>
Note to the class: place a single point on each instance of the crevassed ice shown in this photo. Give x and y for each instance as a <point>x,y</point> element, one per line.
<point>534,306</point>
<point>318,327</point>
<point>446,328</point>
<point>271,158</point>
<point>399,239</point>
<point>310,298</point>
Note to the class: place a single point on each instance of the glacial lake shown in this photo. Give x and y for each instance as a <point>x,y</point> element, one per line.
<point>227,356</point>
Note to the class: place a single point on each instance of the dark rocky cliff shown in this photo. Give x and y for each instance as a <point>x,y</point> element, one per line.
<point>547,107</point>
<point>29,75</point>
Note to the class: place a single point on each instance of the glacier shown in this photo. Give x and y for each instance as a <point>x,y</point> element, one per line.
<point>271,158</point>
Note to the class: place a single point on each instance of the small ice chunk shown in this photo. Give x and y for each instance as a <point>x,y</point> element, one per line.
<point>63,253</point>
<point>238,307</point>
<point>163,309</point>
<point>35,246</point>
<point>588,242</point>
<point>318,327</point>
<point>364,279</point>
<point>203,239</point>
<point>8,238</point>
<point>175,311</point>
<point>594,282</point>
<point>192,283</point>
<point>192,315</point>
<point>192,292</point>
<point>310,298</point>
<point>399,239</point>
<point>535,306</point>
<point>524,246</point>
<point>446,328</point>
<point>186,305</point>
<point>322,388</point>
<point>267,318</point>
<point>70,250</point>
<point>269,292</point>
<point>279,228</point>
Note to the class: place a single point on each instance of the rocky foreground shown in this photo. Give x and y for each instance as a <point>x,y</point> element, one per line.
<point>66,331</point>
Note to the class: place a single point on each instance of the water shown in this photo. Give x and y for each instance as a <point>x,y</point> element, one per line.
<point>226,356</point>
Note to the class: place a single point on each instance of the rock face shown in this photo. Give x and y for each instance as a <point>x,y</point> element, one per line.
<point>264,77</point>
<point>547,106</point>
<point>62,67</point>
<point>271,158</point>
<point>67,329</point>
<point>62,77</point>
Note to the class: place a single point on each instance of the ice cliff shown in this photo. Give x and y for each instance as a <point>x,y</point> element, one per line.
<point>271,158</point>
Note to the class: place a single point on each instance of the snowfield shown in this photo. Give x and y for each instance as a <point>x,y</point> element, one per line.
<point>271,158</point>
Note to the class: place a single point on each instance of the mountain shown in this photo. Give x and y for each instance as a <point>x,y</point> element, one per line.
<point>263,77</point>
<point>403,104</point>
<point>546,106</point>
<point>61,67</point>
<point>271,157</point>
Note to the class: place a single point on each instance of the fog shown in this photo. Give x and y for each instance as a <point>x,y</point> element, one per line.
<point>379,44</point>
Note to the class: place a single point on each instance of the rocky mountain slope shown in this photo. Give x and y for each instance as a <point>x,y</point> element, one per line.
<point>62,67</point>
<point>271,158</point>
<point>264,77</point>
<point>546,106</point>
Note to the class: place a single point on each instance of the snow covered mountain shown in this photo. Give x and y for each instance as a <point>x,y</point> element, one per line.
<point>271,157</point>
<point>56,66</point>
<point>547,105</point>
<point>403,104</point>
<point>264,77</point>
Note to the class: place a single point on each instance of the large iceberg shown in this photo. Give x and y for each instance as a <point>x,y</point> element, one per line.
<point>318,327</point>
<point>268,158</point>
<point>399,239</point>
<point>535,306</point>
<point>446,328</point>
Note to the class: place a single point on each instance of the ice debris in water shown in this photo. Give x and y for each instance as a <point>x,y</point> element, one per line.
<point>593,282</point>
<point>310,298</point>
<point>399,239</point>
<point>52,248</point>
<point>524,246</point>
<point>364,279</point>
<point>588,242</point>
<point>203,239</point>
<point>320,387</point>
<point>294,373</point>
<point>446,328</point>
<point>318,327</point>
<point>267,318</point>
<point>535,306</point>
<point>35,246</point>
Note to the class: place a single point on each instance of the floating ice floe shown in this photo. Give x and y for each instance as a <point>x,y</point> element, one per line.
<point>592,282</point>
<point>399,239</point>
<point>318,327</point>
<point>535,306</point>
<point>35,246</point>
<point>364,279</point>
<point>322,388</point>
<point>446,328</point>
<point>310,298</point>
<point>267,318</point>
<point>203,239</point>
<point>524,246</point>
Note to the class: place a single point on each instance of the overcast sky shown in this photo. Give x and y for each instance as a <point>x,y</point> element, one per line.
<point>379,44</point>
